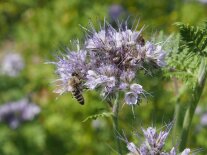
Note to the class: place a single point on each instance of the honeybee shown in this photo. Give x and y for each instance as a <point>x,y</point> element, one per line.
<point>75,87</point>
<point>141,40</point>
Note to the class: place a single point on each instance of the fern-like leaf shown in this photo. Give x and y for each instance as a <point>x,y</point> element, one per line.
<point>93,117</point>
<point>186,52</point>
<point>193,38</point>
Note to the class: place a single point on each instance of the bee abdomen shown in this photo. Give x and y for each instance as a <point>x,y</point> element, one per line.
<point>79,97</point>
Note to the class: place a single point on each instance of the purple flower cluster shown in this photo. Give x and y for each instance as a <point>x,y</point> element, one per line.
<point>73,62</point>
<point>115,11</point>
<point>11,64</point>
<point>110,61</point>
<point>14,113</point>
<point>153,144</point>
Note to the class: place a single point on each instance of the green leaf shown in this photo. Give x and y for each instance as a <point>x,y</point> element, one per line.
<point>193,38</point>
<point>189,48</point>
<point>104,114</point>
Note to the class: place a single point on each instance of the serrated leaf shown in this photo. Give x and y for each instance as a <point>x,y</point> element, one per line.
<point>93,117</point>
<point>190,48</point>
<point>193,38</point>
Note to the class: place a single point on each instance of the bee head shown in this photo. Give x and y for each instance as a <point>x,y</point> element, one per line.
<point>74,74</point>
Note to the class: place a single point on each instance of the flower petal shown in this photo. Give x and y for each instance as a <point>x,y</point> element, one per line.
<point>131,98</point>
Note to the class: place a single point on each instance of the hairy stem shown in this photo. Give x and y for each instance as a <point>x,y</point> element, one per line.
<point>176,120</point>
<point>177,113</point>
<point>192,106</point>
<point>177,108</point>
<point>116,123</point>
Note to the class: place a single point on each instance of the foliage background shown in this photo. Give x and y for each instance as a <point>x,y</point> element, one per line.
<point>37,29</point>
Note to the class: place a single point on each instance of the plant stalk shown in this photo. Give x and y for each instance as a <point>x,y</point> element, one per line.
<point>192,106</point>
<point>177,113</point>
<point>116,123</point>
<point>176,120</point>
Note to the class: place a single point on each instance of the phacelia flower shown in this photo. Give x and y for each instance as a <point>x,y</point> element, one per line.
<point>203,1</point>
<point>14,113</point>
<point>110,61</point>
<point>115,11</point>
<point>131,98</point>
<point>12,64</point>
<point>72,63</point>
<point>203,119</point>
<point>155,54</point>
<point>153,144</point>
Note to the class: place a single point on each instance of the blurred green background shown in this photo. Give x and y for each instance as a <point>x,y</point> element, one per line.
<point>37,29</point>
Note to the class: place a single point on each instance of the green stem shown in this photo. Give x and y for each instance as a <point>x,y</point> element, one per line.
<point>177,109</point>
<point>192,106</point>
<point>176,119</point>
<point>177,113</point>
<point>116,124</point>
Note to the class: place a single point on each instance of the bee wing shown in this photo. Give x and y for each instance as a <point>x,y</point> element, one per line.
<point>69,88</point>
<point>59,91</point>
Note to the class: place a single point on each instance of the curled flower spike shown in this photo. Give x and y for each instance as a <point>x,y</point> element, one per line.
<point>12,64</point>
<point>14,113</point>
<point>73,63</point>
<point>132,148</point>
<point>109,62</point>
<point>153,144</point>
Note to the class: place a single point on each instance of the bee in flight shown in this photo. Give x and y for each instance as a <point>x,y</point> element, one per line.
<point>75,86</point>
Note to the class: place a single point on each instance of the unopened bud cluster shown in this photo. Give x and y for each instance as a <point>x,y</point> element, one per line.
<point>109,61</point>
<point>153,144</point>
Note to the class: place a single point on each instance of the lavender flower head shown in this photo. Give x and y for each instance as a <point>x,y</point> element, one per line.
<point>115,11</point>
<point>203,1</point>
<point>14,113</point>
<point>73,62</point>
<point>116,57</point>
<point>12,64</point>
<point>153,144</point>
<point>110,61</point>
<point>203,119</point>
